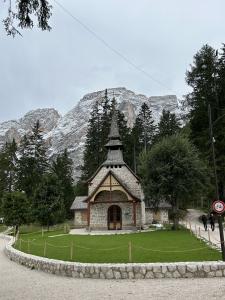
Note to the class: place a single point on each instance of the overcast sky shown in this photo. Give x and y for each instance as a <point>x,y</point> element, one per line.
<point>55,69</point>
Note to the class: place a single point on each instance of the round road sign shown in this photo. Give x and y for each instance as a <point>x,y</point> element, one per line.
<point>218,206</point>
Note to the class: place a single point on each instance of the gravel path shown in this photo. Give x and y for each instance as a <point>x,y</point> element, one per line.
<point>19,283</point>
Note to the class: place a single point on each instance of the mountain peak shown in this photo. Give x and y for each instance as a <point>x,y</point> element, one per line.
<point>70,130</point>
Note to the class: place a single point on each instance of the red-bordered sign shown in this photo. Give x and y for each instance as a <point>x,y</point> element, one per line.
<point>218,206</point>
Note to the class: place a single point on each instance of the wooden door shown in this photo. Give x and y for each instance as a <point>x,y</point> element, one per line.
<point>114,217</point>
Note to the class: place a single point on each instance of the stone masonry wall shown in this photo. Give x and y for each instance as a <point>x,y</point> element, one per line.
<point>80,218</point>
<point>149,215</point>
<point>117,271</point>
<point>99,214</point>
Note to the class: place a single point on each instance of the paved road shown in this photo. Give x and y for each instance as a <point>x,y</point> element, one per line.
<point>198,228</point>
<point>19,283</point>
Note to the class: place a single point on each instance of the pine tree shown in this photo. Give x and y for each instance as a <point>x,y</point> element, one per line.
<point>48,204</point>
<point>202,79</point>
<point>125,134</point>
<point>8,167</point>
<point>143,132</point>
<point>33,162</point>
<point>219,123</point>
<point>207,77</point>
<point>92,158</point>
<point>105,119</point>
<point>124,131</point>
<point>97,136</point>
<point>62,167</point>
<point>168,124</point>
<point>15,209</point>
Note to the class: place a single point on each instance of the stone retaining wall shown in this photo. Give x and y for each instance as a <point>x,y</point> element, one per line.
<point>117,271</point>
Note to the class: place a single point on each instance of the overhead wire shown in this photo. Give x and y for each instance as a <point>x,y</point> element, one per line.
<point>107,45</point>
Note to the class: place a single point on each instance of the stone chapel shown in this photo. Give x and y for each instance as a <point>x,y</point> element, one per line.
<point>115,198</point>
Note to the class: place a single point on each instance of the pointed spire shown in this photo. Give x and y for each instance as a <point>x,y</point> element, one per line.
<point>114,130</point>
<point>114,145</point>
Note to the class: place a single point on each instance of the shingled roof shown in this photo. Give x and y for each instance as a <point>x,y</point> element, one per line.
<point>79,203</point>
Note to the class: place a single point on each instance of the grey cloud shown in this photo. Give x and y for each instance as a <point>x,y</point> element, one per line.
<point>56,69</point>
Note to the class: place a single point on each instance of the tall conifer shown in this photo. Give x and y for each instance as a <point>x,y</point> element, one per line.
<point>8,167</point>
<point>168,124</point>
<point>143,133</point>
<point>33,162</point>
<point>92,158</point>
<point>62,167</point>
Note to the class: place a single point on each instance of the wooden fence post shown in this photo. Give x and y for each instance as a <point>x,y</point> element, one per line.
<point>209,236</point>
<point>130,252</point>
<point>45,248</point>
<point>71,251</point>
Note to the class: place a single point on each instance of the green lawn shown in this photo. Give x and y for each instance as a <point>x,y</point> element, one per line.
<point>2,227</point>
<point>157,246</point>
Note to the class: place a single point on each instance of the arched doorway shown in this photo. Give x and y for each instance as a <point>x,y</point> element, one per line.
<point>114,217</point>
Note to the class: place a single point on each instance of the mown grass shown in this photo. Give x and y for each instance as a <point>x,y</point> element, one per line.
<point>2,227</point>
<point>157,246</point>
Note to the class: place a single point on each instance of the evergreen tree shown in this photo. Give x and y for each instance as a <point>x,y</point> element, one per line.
<point>168,124</point>
<point>97,136</point>
<point>143,133</point>
<point>105,120</point>
<point>33,162</point>
<point>80,189</point>
<point>219,123</point>
<point>207,77</point>
<point>202,79</point>
<point>8,167</point>
<point>62,167</point>
<point>48,203</point>
<point>15,209</point>
<point>92,147</point>
<point>125,134</point>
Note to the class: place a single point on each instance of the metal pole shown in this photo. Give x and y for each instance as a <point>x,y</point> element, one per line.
<point>213,150</point>
<point>221,236</point>
<point>216,182</point>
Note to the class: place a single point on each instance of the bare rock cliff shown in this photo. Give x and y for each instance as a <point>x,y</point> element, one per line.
<point>69,130</point>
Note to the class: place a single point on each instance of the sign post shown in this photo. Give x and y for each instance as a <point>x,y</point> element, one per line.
<point>219,207</point>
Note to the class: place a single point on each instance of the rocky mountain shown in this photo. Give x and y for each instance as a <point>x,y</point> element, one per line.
<point>69,131</point>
